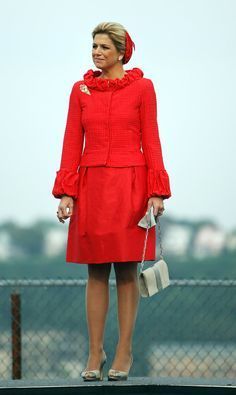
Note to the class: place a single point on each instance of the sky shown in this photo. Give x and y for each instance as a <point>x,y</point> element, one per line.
<point>187,48</point>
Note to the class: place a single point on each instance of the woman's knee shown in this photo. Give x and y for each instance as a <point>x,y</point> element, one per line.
<point>99,271</point>
<point>126,271</point>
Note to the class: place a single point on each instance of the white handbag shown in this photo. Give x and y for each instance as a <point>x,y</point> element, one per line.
<point>156,277</point>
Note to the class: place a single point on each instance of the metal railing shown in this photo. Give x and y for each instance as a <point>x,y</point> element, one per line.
<point>188,329</point>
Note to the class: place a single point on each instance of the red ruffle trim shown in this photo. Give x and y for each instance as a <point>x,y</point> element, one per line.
<point>92,81</point>
<point>66,183</point>
<point>158,183</point>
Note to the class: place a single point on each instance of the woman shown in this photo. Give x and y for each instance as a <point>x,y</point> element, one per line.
<point>107,188</point>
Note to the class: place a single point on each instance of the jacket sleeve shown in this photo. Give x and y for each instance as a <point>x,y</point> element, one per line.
<point>158,183</point>
<point>67,177</point>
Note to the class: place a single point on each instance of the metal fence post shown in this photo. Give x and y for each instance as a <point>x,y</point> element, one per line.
<point>16,335</point>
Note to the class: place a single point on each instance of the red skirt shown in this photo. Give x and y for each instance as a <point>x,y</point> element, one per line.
<point>103,226</point>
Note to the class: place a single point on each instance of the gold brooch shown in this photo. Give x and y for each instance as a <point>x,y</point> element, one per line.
<point>84,89</point>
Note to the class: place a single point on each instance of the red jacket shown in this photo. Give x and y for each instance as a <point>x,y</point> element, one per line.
<point>117,120</point>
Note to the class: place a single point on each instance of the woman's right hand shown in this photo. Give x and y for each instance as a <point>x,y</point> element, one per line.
<point>66,202</point>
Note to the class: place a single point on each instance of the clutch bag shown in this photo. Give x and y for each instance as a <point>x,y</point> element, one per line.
<point>155,278</point>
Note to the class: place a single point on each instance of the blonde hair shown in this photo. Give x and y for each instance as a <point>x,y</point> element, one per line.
<point>116,33</point>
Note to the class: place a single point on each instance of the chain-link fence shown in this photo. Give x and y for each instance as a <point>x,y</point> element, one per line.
<point>188,329</point>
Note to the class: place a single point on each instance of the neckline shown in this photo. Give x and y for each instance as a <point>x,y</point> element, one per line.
<point>92,81</point>
<point>99,76</point>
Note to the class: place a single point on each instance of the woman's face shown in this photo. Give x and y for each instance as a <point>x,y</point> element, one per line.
<point>104,52</point>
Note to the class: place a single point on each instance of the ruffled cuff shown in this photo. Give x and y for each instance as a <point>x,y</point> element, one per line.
<point>66,183</point>
<point>158,183</point>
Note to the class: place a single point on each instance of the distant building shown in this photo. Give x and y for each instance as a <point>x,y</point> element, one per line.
<point>55,241</point>
<point>5,245</point>
<point>230,243</point>
<point>209,241</point>
<point>177,239</point>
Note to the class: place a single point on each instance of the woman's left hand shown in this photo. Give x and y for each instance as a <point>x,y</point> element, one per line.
<point>157,203</point>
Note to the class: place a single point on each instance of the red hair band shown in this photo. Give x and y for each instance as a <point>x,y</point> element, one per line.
<point>129,46</point>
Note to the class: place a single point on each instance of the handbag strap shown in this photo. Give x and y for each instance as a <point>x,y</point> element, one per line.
<point>145,241</point>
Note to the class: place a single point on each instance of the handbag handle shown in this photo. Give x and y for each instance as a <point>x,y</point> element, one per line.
<point>145,242</point>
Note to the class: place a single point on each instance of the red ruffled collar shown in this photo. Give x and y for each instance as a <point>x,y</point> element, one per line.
<point>92,81</point>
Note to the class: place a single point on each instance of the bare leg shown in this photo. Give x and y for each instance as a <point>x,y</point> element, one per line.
<point>97,303</point>
<point>128,301</point>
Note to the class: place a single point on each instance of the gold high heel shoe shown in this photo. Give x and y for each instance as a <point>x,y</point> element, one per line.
<point>115,375</point>
<point>96,374</point>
